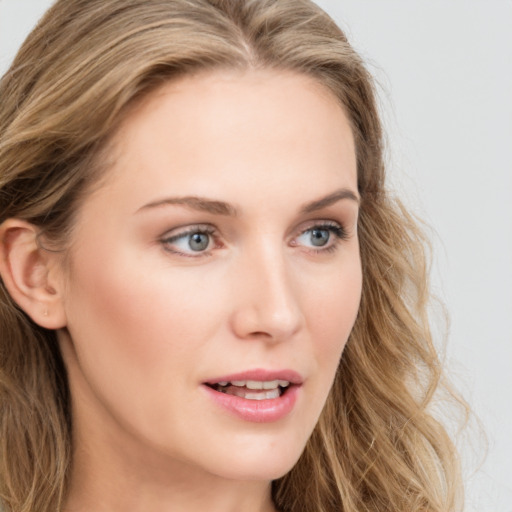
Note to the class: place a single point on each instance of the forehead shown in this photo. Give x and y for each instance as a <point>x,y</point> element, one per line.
<point>213,129</point>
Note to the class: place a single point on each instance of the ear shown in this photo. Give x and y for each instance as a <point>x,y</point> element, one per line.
<point>32,274</point>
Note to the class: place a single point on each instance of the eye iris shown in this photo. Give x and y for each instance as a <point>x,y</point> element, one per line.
<point>198,241</point>
<point>319,237</point>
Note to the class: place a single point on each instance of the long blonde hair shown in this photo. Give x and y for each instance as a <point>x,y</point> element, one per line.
<point>376,447</point>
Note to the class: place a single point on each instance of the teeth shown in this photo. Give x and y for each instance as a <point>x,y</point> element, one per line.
<point>256,384</point>
<point>275,393</point>
<point>267,395</point>
<point>253,389</point>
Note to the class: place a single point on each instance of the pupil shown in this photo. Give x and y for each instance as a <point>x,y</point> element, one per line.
<point>198,241</point>
<point>319,237</point>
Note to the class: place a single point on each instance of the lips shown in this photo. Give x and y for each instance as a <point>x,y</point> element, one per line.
<point>256,395</point>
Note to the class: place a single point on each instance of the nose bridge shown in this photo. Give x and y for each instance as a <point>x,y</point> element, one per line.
<point>267,302</point>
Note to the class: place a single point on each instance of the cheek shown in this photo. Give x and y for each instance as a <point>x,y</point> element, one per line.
<point>332,311</point>
<point>141,325</point>
<point>334,303</point>
<point>137,338</point>
<point>134,309</point>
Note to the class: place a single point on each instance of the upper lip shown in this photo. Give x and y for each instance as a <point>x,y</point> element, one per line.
<point>260,375</point>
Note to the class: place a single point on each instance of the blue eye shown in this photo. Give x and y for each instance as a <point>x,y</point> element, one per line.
<point>198,241</point>
<point>319,237</point>
<point>322,237</point>
<point>189,243</point>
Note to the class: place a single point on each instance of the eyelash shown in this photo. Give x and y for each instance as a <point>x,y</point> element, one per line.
<point>192,230</point>
<point>334,228</point>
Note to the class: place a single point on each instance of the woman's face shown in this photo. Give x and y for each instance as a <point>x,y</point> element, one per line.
<point>219,257</point>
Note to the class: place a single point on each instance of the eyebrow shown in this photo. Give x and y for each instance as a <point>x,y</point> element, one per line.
<point>329,200</point>
<point>222,208</point>
<point>197,203</point>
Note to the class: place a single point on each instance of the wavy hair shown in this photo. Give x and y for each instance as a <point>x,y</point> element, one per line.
<point>377,446</point>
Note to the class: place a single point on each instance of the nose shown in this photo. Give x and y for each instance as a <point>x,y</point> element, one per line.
<point>266,299</point>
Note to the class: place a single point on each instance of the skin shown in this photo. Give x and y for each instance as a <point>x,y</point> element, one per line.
<point>148,320</point>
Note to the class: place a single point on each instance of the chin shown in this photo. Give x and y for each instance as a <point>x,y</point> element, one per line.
<point>265,472</point>
<point>257,461</point>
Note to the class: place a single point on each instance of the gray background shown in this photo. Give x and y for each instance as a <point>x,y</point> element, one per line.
<point>445,74</point>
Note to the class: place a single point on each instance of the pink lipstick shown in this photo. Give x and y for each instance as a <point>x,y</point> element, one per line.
<point>257,395</point>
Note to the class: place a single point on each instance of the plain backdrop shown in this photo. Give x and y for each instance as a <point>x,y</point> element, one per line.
<point>444,69</point>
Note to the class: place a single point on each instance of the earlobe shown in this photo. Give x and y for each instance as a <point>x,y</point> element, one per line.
<point>29,274</point>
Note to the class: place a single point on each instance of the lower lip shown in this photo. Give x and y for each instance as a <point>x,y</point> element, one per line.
<point>256,411</point>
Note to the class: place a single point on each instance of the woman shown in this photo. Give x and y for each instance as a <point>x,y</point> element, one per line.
<point>209,299</point>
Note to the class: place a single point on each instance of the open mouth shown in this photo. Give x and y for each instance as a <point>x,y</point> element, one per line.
<point>257,396</point>
<point>252,389</point>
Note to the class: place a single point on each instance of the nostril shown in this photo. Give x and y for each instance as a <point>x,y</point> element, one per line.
<point>260,334</point>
